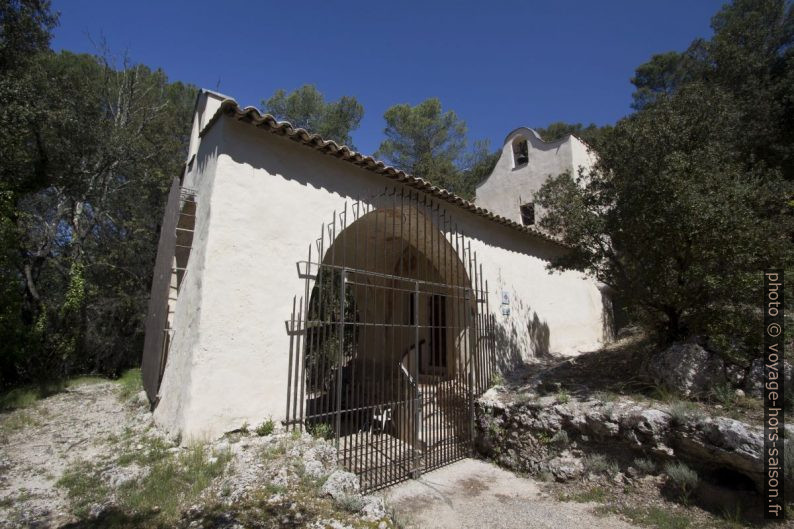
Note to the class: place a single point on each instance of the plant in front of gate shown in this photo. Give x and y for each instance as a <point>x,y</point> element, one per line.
<point>496,379</point>
<point>266,428</point>
<point>320,430</point>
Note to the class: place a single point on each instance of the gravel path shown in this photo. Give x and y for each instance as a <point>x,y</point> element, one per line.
<point>38,443</point>
<point>478,495</point>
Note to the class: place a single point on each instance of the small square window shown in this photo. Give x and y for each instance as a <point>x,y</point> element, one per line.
<point>528,214</point>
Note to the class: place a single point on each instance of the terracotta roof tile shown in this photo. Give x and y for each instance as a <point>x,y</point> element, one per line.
<point>229,107</point>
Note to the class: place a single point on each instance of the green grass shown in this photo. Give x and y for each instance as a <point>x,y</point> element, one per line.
<point>595,494</point>
<point>682,411</point>
<point>664,394</point>
<point>130,383</point>
<point>84,487</point>
<point>173,483</point>
<point>26,396</point>
<point>85,380</point>
<point>18,398</point>
<point>17,421</point>
<point>722,394</point>
<point>651,516</point>
<point>154,450</point>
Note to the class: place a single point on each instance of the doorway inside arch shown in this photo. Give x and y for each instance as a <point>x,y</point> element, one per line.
<point>391,342</point>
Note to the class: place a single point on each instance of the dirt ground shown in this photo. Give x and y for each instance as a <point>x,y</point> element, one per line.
<point>478,495</point>
<point>40,442</point>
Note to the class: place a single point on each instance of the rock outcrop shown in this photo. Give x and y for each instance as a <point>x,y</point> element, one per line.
<point>691,370</point>
<point>519,432</point>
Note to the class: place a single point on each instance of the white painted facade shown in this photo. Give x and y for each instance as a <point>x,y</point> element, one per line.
<point>262,200</point>
<point>515,180</point>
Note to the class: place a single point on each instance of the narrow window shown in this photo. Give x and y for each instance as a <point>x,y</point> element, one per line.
<point>528,214</point>
<point>520,152</point>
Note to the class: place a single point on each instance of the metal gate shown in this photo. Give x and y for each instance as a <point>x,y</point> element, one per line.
<point>392,340</point>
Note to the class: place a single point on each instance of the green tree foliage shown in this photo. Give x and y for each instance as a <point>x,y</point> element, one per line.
<point>689,200</point>
<point>750,56</point>
<point>91,149</point>
<point>26,27</point>
<point>558,130</point>
<point>306,108</point>
<point>675,220</point>
<point>427,142</point>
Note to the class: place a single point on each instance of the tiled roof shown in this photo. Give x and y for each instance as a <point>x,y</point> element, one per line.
<point>229,107</point>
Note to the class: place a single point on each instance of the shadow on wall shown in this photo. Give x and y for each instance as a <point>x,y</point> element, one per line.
<point>511,348</point>
<point>608,323</point>
<point>539,335</point>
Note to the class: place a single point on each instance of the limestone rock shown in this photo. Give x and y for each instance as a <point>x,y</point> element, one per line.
<point>686,368</point>
<point>340,484</point>
<point>374,509</point>
<point>754,381</point>
<point>724,442</point>
<point>566,467</point>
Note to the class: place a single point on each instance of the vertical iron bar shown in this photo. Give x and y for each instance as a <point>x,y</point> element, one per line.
<point>304,335</point>
<point>340,359</point>
<point>418,405</point>
<point>291,330</point>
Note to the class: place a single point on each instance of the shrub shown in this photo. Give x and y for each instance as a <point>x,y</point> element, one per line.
<point>682,478</point>
<point>664,394</point>
<point>266,428</point>
<point>543,438</point>
<point>722,394</point>
<point>682,411</point>
<point>352,503</point>
<point>560,439</point>
<point>605,396</point>
<point>563,397</point>
<point>644,465</point>
<point>600,464</point>
<point>321,430</point>
<point>497,379</point>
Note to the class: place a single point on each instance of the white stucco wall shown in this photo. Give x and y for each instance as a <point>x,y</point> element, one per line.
<point>262,201</point>
<point>508,186</point>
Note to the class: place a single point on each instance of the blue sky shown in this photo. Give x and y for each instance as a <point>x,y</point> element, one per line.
<point>498,65</point>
